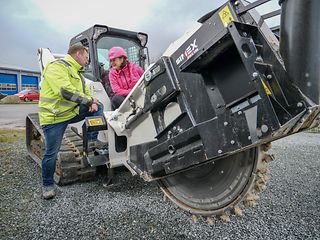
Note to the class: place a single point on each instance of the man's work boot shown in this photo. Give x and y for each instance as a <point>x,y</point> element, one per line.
<point>48,192</point>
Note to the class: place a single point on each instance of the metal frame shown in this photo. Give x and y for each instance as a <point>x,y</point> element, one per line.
<point>221,120</point>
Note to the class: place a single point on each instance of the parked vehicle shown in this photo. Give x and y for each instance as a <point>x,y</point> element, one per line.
<point>28,95</point>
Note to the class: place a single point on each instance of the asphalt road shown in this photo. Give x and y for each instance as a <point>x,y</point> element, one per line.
<point>14,115</point>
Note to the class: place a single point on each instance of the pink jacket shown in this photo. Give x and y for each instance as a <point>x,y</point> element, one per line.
<point>122,81</point>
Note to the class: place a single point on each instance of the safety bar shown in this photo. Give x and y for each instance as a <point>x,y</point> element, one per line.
<point>250,6</point>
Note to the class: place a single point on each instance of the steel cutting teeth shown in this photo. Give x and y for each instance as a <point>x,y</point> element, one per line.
<point>210,220</point>
<point>261,178</point>
<point>269,158</point>
<point>262,169</point>
<point>194,218</point>
<point>237,211</point>
<point>266,147</point>
<point>225,217</point>
<point>251,200</point>
<point>177,189</point>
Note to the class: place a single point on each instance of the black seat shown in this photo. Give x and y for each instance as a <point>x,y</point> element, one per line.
<point>104,76</point>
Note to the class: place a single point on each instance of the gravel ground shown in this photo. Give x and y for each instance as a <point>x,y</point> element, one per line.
<point>288,209</point>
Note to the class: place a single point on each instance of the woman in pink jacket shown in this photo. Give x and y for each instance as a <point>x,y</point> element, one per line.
<point>123,75</point>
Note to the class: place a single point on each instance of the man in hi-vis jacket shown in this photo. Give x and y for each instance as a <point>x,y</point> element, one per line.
<point>64,99</point>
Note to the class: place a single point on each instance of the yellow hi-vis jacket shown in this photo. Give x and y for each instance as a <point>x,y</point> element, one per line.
<point>62,90</point>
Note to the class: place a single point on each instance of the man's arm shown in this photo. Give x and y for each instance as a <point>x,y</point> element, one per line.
<point>59,80</point>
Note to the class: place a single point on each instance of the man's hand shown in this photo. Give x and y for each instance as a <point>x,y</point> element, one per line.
<point>94,100</point>
<point>94,106</point>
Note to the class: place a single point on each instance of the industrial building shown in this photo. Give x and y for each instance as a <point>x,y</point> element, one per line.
<point>14,79</point>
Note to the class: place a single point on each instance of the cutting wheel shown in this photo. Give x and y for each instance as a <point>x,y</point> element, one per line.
<point>213,188</point>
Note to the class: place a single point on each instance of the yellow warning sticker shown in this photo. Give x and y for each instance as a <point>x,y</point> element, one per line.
<point>266,88</point>
<point>95,122</point>
<point>226,16</point>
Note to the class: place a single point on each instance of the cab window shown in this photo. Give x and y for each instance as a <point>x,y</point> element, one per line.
<point>104,44</point>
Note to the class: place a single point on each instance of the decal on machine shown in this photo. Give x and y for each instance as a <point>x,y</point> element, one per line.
<point>158,94</point>
<point>188,53</point>
<point>226,16</point>
<point>152,73</point>
<point>95,122</point>
<point>266,87</point>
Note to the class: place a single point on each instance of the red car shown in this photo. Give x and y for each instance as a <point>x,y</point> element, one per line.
<point>28,95</point>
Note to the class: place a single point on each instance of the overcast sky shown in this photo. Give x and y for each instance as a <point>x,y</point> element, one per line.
<point>26,25</point>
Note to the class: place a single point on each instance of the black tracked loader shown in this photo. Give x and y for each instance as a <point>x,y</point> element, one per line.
<point>201,119</point>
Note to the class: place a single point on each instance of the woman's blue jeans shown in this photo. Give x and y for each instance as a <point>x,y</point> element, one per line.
<point>53,134</point>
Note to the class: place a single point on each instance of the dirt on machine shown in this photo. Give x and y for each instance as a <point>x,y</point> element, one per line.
<point>201,119</point>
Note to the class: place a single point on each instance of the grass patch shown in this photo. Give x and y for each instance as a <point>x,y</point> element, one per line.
<point>11,135</point>
<point>12,99</point>
<point>314,130</point>
<point>4,150</point>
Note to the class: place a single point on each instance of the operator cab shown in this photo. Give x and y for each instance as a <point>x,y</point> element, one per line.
<point>99,39</point>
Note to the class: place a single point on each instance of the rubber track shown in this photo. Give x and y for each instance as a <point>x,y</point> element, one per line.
<point>70,166</point>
